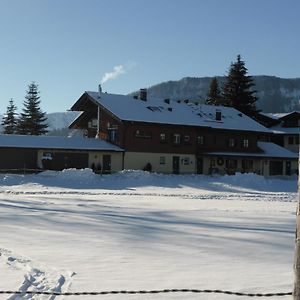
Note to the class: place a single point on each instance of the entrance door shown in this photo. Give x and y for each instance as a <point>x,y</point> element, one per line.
<point>276,167</point>
<point>175,164</point>
<point>106,164</point>
<point>199,163</point>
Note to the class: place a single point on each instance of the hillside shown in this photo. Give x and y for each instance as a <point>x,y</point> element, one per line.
<point>275,94</point>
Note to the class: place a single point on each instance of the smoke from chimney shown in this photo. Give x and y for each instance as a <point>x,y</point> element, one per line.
<point>117,71</point>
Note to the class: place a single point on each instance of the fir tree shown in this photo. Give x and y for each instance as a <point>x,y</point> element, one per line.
<point>214,95</point>
<point>9,120</point>
<point>32,120</point>
<point>238,90</point>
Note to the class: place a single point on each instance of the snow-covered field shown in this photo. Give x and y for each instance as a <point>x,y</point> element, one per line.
<point>77,231</point>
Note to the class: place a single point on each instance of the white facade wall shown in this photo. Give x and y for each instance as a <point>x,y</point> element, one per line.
<point>116,159</point>
<point>138,161</point>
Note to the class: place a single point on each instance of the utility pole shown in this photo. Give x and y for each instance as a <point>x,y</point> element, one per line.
<point>296,292</point>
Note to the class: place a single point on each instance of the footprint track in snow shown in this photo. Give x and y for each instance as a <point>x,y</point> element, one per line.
<point>36,278</point>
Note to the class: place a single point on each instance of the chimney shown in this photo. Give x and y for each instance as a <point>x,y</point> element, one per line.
<point>218,115</point>
<point>99,90</point>
<point>143,94</point>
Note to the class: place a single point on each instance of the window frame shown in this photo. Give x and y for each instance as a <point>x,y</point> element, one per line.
<point>176,138</point>
<point>231,142</point>
<point>162,160</point>
<point>200,140</point>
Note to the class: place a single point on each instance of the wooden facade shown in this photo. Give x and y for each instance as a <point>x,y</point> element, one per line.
<point>177,148</point>
<point>285,129</point>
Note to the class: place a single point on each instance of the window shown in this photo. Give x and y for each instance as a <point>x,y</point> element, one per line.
<point>162,160</point>
<point>200,140</point>
<point>143,134</point>
<point>231,142</point>
<point>297,140</point>
<point>187,139</point>
<point>112,135</point>
<point>231,163</point>
<point>176,138</point>
<point>247,164</point>
<point>245,143</point>
<point>155,108</point>
<point>186,161</point>
<point>93,123</point>
<point>291,140</point>
<point>162,138</point>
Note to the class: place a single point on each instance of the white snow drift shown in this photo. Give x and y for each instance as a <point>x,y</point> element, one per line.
<point>77,231</point>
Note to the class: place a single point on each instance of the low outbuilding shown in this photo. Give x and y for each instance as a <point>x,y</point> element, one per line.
<point>23,153</point>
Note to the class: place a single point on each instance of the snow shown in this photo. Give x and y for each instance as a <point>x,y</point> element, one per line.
<point>285,130</point>
<point>268,150</point>
<point>55,142</point>
<point>77,231</point>
<point>130,109</point>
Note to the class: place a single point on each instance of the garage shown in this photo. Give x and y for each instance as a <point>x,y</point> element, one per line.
<point>23,153</point>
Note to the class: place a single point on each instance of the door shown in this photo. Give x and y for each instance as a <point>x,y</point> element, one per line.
<point>106,164</point>
<point>276,167</point>
<point>199,163</point>
<point>175,164</point>
<point>288,168</point>
<point>65,160</point>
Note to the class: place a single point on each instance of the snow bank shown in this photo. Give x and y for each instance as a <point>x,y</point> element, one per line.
<point>130,179</point>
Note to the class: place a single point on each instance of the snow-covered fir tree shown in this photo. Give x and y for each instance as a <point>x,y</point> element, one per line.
<point>9,121</point>
<point>32,120</point>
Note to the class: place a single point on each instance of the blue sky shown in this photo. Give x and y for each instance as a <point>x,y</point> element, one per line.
<point>67,46</point>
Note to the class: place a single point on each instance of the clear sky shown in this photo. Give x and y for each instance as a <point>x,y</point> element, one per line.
<point>67,46</point>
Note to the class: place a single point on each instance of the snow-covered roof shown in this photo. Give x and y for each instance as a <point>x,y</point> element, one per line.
<point>285,130</point>
<point>54,142</point>
<point>277,116</point>
<point>269,150</point>
<point>158,111</point>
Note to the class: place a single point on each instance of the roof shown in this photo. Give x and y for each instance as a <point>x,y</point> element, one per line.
<point>269,150</point>
<point>155,110</point>
<point>55,142</point>
<point>285,130</point>
<point>277,116</point>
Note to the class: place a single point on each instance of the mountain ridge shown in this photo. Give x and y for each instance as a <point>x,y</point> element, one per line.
<point>275,94</point>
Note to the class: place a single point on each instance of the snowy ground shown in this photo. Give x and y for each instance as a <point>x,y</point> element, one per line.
<point>77,231</point>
